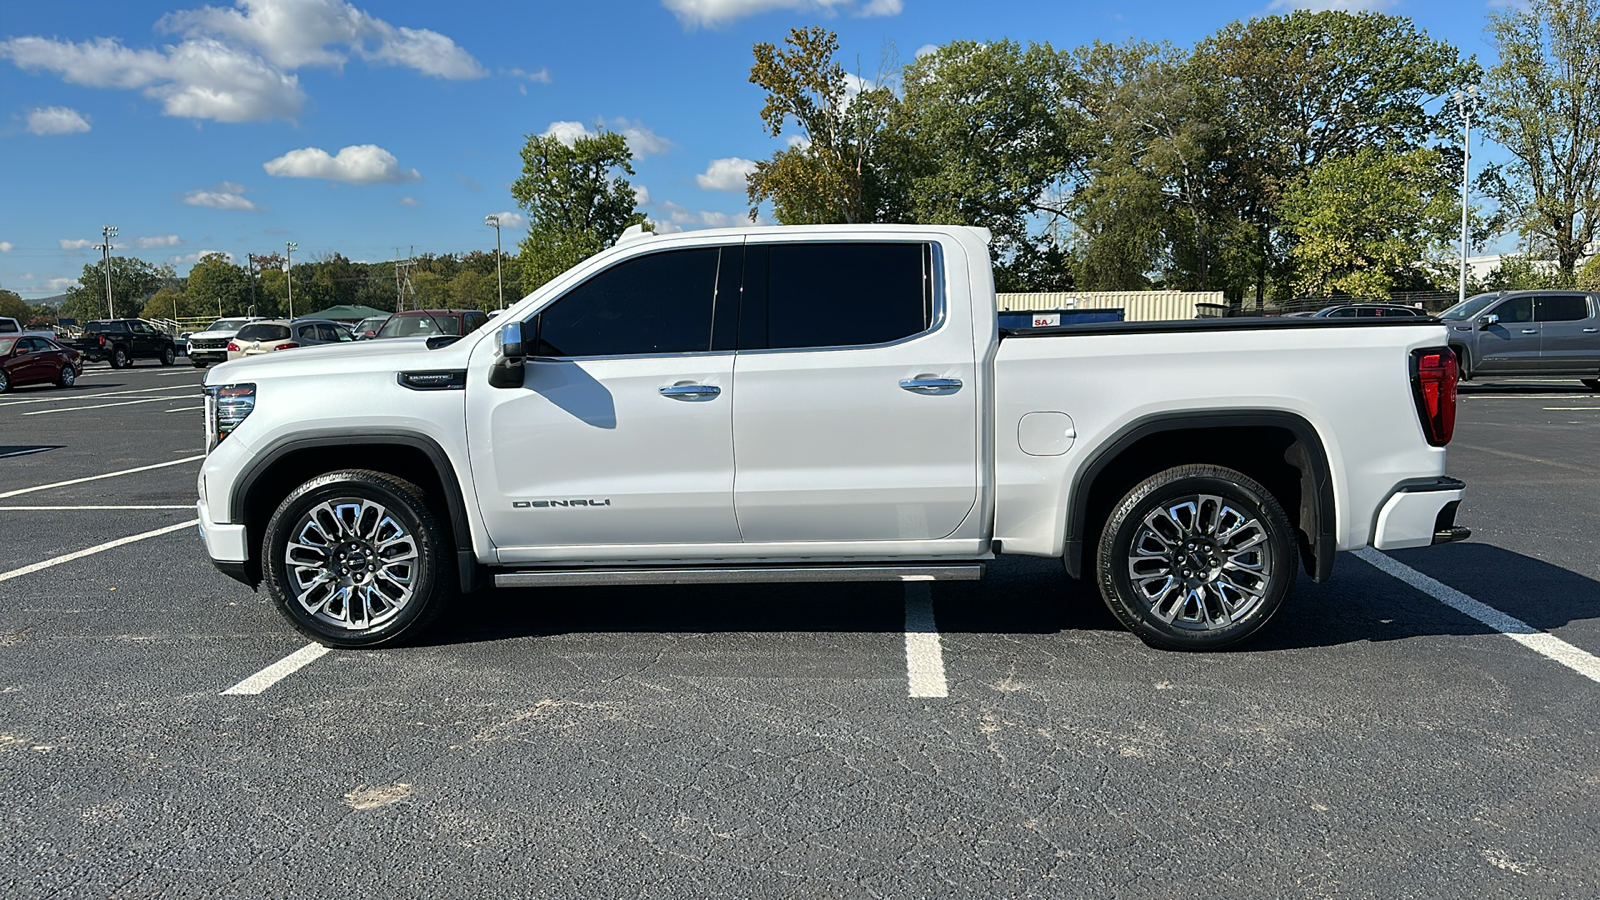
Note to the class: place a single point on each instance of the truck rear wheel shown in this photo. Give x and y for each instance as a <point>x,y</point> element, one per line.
<point>119,358</point>
<point>1196,558</point>
<point>358,558</point>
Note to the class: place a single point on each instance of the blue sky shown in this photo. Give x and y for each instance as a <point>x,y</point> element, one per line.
<point>362,127</point>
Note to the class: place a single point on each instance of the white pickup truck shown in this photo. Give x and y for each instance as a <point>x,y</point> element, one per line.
<point>830,403</point>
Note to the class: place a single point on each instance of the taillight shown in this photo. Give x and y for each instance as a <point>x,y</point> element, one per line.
<point>102,340</point>
<point>233,347</point>
<point>1433,384</point>
<point>289,346</point>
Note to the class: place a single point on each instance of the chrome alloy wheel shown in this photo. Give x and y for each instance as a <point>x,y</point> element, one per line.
<point>352,564</point>
<point>1198,563</point>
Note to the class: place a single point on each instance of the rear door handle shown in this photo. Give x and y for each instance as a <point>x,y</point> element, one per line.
<point>929,385</point>
<point>1530,331</point>
<point>691,391</point>
<point>1590,330</point>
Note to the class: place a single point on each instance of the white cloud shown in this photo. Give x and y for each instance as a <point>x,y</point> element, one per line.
<point>76,245</point>
<point>641,140</point>
<point>712,13</point>
<point>510,219</point>
<point>227,198</point>
<point>726,174</point>
<point>158,240</point>
<point>360,164</point>
<point>410,201</point>
<point>295,33</point>
<point>199,255</point>
<point>7,246</point>
<point>797,142</point>
<point>1351,6</point>
<point>59,284</point>
<point>197,79</point>
<point>56,120</point>
<point>237,65</point>
<point>542,76</point>
<point>678,218</point>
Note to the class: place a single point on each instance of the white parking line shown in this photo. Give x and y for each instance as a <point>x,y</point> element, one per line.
<point>924,655</point>
<point>70,508</point>
<point>1542,643</point>
<point>46,487</point>
<point>55,398</point>
<point>185,409</point>
<point>46,412</point>
<point>98,548</point>
<point>278,671</point>
<point>1563,408</point>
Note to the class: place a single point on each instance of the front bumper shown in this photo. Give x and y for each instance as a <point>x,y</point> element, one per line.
<point>225,544</point>
<point>209,355</point>
<point>1421,513</point>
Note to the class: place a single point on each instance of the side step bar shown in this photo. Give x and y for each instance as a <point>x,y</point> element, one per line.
<point>739,574</point>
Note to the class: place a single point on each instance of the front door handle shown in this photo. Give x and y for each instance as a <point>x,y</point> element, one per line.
<point>690,391</point>
<point>925,384</point>
<point>1590,330</point>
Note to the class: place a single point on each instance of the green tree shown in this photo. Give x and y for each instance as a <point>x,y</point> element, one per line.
<point>1365,224</point>
<point>218,287</point>
<point>132,282</point>
<point>12,307</point>
<point>1589,278</point>
<point>577,199</point>
<point>1543,105</point>
<point>842,167</point>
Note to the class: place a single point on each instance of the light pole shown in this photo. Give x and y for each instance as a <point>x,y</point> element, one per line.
<point>291,246</point>
<point>498,280</point>
<point>1466,105</point>
<point>108,232</point>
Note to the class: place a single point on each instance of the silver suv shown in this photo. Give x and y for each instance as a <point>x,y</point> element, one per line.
<point>1528,333</point>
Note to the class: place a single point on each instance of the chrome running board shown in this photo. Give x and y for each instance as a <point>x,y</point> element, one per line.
<point>739,574</point>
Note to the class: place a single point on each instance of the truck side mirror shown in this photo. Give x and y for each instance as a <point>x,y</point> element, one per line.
<point>1486,321</point>
<point>509,352</point>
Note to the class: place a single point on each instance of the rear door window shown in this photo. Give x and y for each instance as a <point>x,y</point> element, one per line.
<point>660,303</point>
<point>1563,309</point>
<point>846,294</point>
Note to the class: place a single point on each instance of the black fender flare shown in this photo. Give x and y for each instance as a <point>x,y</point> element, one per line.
<point>1324,539</point>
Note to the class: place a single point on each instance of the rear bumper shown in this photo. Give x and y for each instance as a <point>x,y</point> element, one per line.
<point>1420,513</point>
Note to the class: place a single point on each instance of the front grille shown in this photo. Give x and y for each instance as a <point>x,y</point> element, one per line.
<point>208,343</point>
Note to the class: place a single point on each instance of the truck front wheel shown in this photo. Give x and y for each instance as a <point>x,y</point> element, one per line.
<point>357,558</point>
<point>1196,558</point>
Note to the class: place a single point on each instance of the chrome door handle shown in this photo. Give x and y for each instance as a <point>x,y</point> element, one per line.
<point>1590,330</point>
<point>1530,331</point>
<point>691,391</point>
<point>931,385</point>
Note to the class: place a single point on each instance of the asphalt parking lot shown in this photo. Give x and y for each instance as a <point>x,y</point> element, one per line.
<point>791,740</point>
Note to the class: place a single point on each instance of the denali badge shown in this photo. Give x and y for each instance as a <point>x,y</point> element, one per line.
<point>546,504</point>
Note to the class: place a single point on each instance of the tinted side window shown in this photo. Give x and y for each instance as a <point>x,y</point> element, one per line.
<point>1349,312</point>
<point>1519,309</point>
<point>1563,309</point>
<point>659,303</point>
<point>847,294</point>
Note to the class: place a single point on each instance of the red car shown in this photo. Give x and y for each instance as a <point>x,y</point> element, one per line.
<point>37,360</point>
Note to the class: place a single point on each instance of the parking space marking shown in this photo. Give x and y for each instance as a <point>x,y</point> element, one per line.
<point>46,412</point>
<point>924,655</point>
<point>185,409</point>
<point>278,671</point>
<point>97,548</point>
<point>46,487</point>
<point>70,508</point>
<point>1568,408</point>
<point>69,397</point>
<point>1523,457</point>
<point>1543,643</point>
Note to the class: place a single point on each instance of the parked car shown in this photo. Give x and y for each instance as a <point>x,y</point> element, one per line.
<point>1528,333</point>
<point>367,328</point>
<point>825,403</point>
<point>271,335</point>
<point>28,359</point>
<point>211,346</point>
<point>432,323</point>
<point>121,341</point>
<point>1366,311</point>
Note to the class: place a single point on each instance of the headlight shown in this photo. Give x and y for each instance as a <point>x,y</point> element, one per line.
<point>226,406</point>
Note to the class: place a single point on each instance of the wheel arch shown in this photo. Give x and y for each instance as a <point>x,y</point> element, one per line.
<point>286,465</point>
<point>1286,455</point>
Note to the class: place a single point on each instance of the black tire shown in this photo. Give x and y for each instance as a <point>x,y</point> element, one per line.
<point>168,356</point>
<point>1592,384</point>
<point>68,376</point>
<point>1220,588</point>
<point>335,622</point>
<point>198,363</point>
<point>119,358</point>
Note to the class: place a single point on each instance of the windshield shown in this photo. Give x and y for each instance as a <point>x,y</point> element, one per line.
<point>264,333</point>
<point>6,344</point>
<point>1469,307</point>
<point>418,326</point>
<point>227,324</point>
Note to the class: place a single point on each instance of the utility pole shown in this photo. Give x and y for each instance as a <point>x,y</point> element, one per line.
<point>398,297</point>
<point>1466,105</point>
<point>498,279</point>
<point>108,232</point>
<point>292,246</point>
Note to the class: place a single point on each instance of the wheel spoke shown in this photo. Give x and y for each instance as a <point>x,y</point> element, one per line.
<point>352,563</point>
<point>1200,563</point>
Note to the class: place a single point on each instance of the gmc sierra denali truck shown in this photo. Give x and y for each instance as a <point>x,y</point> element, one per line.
<point>829,403</point>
